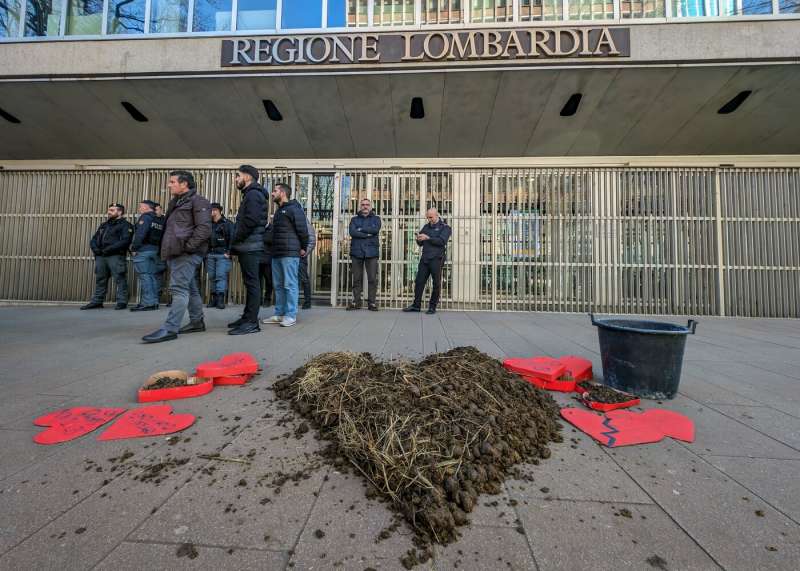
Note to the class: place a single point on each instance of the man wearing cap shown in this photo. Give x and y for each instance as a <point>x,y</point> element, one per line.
<point>110,247</point>
<point>248,245</point>
<point>145,245</point>
<point>218,262</point>
<point>183,246</point>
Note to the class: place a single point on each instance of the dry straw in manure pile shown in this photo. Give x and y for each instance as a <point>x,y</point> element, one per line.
<point>429,436</point>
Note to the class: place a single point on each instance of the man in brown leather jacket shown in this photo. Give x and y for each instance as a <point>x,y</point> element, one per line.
<point>183,246</point>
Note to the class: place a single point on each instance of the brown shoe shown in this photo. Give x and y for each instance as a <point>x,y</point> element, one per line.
<point>353,306</point>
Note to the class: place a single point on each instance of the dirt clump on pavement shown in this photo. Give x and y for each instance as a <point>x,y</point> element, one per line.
<point>429,437</point>
<point>166,383</point>
<point>595,392</point>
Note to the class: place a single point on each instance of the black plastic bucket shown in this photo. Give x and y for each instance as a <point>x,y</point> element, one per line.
<point>642,357</point>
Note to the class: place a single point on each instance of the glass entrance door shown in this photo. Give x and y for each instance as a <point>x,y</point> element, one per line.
<point>315,192</point>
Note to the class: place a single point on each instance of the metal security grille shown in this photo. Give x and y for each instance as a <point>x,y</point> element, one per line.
<point>700,241</point>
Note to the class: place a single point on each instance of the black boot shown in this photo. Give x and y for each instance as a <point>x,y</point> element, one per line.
<point>159,336</point>
<point>220,301</point>
<point>93,305</point>
<point>193,327</point>
<point>212,301</point>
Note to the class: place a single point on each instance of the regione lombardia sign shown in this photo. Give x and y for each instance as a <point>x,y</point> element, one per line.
<point>530,44</point>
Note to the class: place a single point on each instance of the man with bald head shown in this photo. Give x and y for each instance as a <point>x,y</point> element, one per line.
<point>433,238</point>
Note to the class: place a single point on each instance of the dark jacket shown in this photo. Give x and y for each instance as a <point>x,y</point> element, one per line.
<point>112,238</point>
<point>149,230</point>
<point>221,236</point>
<point>250,220</point>
<point>436,246</point>
<point>266,256</point>
<point>364,233</point>
<point>289,231</point>
<point>188,226</point>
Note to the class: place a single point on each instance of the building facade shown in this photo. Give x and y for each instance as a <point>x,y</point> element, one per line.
<point>607,156</point>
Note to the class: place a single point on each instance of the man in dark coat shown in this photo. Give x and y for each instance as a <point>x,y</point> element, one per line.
<point>183,246</point>
<point>433,238</point>
<point>289,244</point>
<point>248,245</point>
<point>145,246</point>
<point>110,247</point>
<point>364,252</point>
<point>218,262</point>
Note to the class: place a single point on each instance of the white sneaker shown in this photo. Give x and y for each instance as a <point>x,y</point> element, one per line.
<point>288,322</point>
<point>275,319</point>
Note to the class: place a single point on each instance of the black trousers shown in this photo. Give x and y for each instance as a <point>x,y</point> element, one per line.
<point>304,281</point>
<point>265,279</point>
<point>106,267</point>
<point>248,263</point>
<point>428,268</point>
<point>371,264</point>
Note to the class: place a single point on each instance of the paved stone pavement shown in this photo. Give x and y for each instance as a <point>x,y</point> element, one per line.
<point>730,500</point>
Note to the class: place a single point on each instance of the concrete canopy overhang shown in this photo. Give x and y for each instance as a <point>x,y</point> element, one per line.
<point>662,101</point>
<point>510,113</point>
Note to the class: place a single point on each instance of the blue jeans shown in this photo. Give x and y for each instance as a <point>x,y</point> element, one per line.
<point>184,290</point>
<point>218,267</point>
<point>145,263</point>
<point>284,281</point>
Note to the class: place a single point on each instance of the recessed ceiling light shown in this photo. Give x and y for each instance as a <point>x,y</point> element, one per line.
<point>272,110</point>
<point>571,106</point>
<point>134,112</point>
<point>734,103</point>
<point>417,108</point>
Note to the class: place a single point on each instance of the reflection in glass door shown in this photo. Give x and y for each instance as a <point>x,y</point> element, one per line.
<point>315,194</point>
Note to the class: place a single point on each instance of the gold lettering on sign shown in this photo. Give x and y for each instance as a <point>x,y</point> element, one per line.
<point>338,46</point>
<point>538,43</point>
<point>240,49</point>
<point>606,40</point>
<point>465,50</point>
<point>301,56</point>
<point>407,37</point>
<point>369,43</point>
<point>290,52</point>
<point>426,46</point>
<point>493,43</point>
<point>585,51</point>
<point>513,43</point>
<point>263,51</point>
<point>576,43</point>
<point>325,54</point>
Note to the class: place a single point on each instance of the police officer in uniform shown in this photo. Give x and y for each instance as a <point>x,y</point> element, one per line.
<point>218,262</point>
<point>161,265</point>
<point>433,238</point>
<point>110,247</point>
<point>145,246</point>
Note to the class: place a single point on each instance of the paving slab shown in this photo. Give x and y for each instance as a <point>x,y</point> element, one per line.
<point>773,423</point>
<point>486,548</point>
<point>591,535</point>
<point>777,482</point>
<point>344,530</point>
<point>135,556</point>
<point>699,498</point>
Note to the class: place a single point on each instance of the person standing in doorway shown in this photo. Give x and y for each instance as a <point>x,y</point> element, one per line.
<point>110,247</point>
<point>248,245</point>
<point>218,262</point>
<point>303,277</point>
<point>364,252</point>
<point>145,246</point>
<point>433,238</point>
<point>183,246</point>
<point>289,244</point>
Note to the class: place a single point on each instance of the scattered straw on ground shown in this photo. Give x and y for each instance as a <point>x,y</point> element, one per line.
<point>428,436</point>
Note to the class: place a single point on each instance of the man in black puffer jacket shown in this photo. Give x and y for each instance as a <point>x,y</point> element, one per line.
<point>110,247</point>
<point>289,244</point>
<point>248,245</point>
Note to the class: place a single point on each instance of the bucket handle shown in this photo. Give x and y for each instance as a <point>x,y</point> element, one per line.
<point>691,326</point>
<point>591,317</point>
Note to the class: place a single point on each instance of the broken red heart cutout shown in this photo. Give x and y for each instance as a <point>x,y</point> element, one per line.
<point>626,428</point>
<point>544,368</point>
<point>71,423</point>
<point>147,421</point>
<point>229,365</point>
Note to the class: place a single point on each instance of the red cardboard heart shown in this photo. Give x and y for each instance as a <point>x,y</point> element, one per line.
<point>578,368</point>
<point>147,421</point>
<point>71,423</point>
<point>545,368</point>
<point>626,428</point>
<point>229,365</point>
